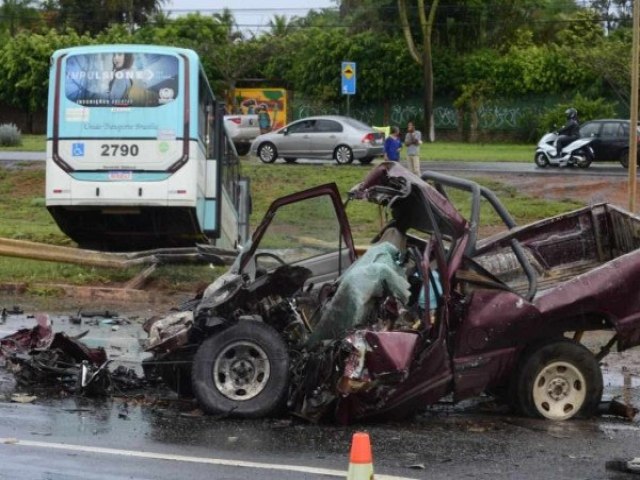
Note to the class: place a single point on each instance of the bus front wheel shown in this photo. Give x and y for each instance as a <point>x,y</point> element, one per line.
<point>267,152</point>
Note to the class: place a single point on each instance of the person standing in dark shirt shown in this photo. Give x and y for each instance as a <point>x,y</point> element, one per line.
<point>392,146</point>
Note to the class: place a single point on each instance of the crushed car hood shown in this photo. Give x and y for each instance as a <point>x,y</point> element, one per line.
<point>406,195</point>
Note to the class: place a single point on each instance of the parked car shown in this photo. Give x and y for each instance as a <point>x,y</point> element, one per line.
<point>326,137</point>
<point>242,130</point>
<point>610,139</point>
<point>429,310</point>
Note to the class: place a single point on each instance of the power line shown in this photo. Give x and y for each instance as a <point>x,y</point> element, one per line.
<point>465,21</point>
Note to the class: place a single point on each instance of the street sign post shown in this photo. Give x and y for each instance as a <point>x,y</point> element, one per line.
<point>348,74</point>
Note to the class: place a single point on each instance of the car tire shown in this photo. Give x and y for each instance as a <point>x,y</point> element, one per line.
<point>585,158</point>
<point>242,149</point>
<point>624,158</point>
<point>541,160</point>
<point>558,380</point>
<point>267,152</point>
<point>343,155</point>
<point>366,160</point>
<point>241,371</point>
<point>290,160</point>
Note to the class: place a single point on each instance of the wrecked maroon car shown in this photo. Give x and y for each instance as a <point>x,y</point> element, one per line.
<point>429,310</point>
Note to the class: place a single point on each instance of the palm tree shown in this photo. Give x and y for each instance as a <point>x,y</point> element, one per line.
<point>280,26</point>
<point>228,21</point>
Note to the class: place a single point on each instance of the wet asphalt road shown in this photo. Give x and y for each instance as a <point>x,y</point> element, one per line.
<point>156,437</point>
<point>443,444</point>
<point>612,169</point>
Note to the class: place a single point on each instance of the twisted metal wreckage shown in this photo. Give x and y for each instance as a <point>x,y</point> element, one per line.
<point>38,356</point>
<point>429,310</point>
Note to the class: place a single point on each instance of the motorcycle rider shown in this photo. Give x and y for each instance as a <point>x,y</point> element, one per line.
<point>570,132</point>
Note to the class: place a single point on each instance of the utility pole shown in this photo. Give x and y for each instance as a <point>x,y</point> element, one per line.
<point>633,120</point>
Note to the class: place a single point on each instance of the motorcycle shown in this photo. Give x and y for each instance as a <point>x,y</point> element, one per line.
<point>577,153</point>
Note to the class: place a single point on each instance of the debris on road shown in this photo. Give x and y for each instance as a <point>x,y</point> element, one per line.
<point>4,314</point>
<point>40,357</point>
<point>619,409</point>
<point>23,398</point>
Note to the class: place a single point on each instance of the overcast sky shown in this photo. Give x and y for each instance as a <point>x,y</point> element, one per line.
<point>249,14</point>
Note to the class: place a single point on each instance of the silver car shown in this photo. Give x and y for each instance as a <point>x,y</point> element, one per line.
<point>242,130</point>
<point>341,138</point>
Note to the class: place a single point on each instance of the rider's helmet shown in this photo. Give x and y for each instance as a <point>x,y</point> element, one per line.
<point>571,113</point>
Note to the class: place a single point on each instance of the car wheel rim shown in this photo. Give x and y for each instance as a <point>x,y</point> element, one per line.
<point>559,391</point>
<point>241,371</point>
<point>343,155</point>
<point>266,154</point>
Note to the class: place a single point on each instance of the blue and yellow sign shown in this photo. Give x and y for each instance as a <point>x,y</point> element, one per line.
<point>348,78</point>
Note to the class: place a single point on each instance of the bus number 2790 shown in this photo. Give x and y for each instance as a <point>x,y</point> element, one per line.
<point>119,149</point>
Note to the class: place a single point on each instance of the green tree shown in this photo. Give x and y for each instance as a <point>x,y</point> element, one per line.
<point>609,60</point>
<point>423,56</point>
<point>384,68</point>
<point>471,24</point>
<point>226,56</point>
<point>18,14</point>
<point>25,74</point>
<point>97,15</point>
<point>369,15</point>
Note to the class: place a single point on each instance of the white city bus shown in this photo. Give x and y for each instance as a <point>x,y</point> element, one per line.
<point>137,155</point>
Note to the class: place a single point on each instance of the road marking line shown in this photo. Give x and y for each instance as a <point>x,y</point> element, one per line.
<point>185,458</point>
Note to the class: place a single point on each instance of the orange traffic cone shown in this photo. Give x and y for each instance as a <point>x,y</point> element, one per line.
<point>360,460</point>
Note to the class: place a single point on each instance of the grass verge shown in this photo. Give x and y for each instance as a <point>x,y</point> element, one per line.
<point>30,143</point>
<point>24,216</point>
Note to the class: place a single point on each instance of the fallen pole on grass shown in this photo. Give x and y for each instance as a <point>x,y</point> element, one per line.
<point>57,253</point>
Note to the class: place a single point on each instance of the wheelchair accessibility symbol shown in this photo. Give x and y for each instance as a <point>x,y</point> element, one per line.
<point>77,149</point>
